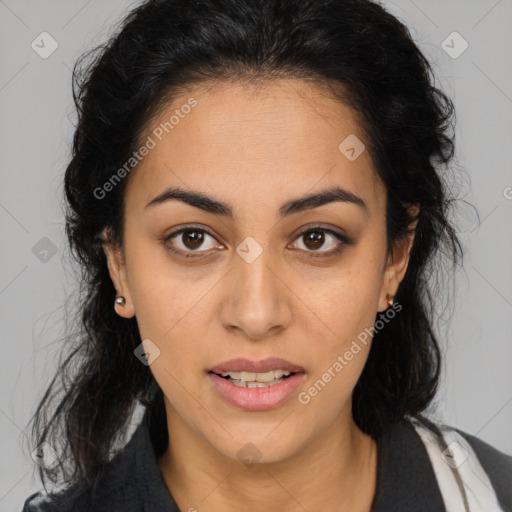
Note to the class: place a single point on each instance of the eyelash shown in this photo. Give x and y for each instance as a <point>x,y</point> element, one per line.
<point>342,239</point>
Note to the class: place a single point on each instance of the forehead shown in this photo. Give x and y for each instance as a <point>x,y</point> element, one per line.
<point>270,142</point>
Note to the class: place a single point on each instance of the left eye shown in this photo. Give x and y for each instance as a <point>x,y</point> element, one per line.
<point>313,239</point>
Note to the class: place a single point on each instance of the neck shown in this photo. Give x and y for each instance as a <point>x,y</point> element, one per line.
<point>337,471</point>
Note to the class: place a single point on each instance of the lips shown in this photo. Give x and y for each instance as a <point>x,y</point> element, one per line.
<point>265,365</point>
<point>259,398</point>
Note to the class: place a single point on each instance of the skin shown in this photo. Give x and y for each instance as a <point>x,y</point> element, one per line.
<point>256,148</point>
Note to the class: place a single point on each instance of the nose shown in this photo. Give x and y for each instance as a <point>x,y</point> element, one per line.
<point>257,300</point>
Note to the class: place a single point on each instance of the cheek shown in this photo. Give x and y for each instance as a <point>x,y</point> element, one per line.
<point>347,303</point>
<point>347,311</point>
<point>338,364</point>
<point>165,298</point>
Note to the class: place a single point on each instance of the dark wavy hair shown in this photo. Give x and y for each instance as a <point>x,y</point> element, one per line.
<point>355,49</point>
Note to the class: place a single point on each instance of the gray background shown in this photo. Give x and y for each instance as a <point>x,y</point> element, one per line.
<point>36,130</point>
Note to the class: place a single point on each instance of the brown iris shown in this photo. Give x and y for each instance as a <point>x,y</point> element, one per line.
<point>315,238</point>
<point>193,237</point>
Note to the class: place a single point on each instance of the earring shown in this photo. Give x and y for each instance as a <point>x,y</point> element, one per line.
<point>120,300</point>
<point>390,299</point>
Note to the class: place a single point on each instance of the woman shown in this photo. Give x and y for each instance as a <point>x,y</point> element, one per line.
<point>256,203</point>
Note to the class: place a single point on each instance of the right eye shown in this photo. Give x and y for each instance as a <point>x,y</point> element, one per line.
<point>188,240</point>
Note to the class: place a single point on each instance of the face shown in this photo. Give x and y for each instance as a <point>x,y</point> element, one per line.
<point>235,276</point>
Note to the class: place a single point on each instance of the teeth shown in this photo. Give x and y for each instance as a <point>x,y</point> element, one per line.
<point>264,378</point>
<point>242,384</point>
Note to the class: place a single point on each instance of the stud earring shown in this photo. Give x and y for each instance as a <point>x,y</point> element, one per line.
<point>389,299</point>
<point>120,300</point>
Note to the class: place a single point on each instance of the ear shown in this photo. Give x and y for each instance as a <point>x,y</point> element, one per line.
<point>117,270</point>
<point>398,261</point>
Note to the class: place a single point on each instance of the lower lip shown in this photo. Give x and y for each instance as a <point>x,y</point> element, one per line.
<point>256,399</point>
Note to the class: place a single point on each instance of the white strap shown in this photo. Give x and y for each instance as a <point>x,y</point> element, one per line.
<point>460,456</point>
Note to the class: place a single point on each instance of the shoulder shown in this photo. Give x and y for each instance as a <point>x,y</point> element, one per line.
<point>37,502</point>
<point>422,464</point>
<point>57,502</point>
<point>130,481</point>
<point>496,464</point>
<point>494,460</point>
<point>79,498</point>
<point>484,471</point>
<point>113,491</point>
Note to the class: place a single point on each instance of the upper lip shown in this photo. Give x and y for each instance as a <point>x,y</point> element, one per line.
<point>264,365</point>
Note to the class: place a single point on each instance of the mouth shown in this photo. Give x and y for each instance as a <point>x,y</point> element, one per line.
<point>256,385</point>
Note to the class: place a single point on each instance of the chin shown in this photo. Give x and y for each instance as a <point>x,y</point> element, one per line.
<point>272,443</point>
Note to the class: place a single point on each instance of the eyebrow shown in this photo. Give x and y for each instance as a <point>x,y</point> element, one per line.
<point>211,205</point>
